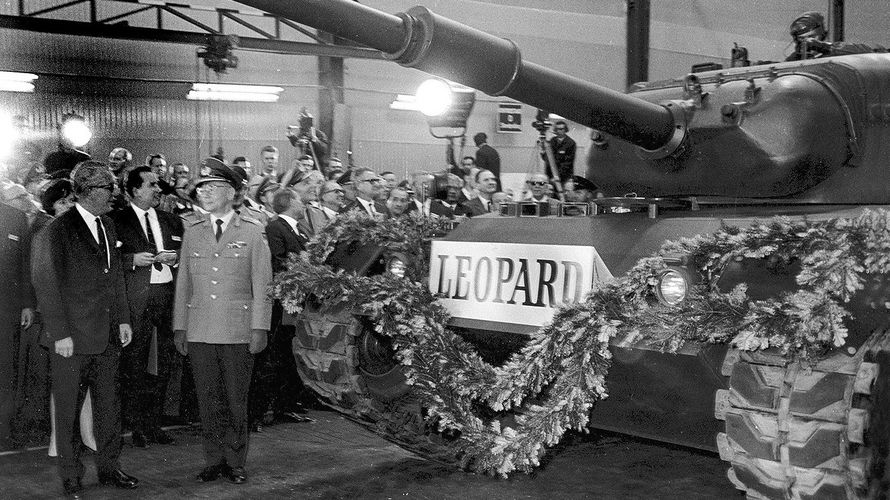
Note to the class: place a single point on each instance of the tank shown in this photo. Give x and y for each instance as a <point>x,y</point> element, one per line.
<point>804,139</point>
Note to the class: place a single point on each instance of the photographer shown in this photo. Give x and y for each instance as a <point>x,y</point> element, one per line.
<point>308,140</point>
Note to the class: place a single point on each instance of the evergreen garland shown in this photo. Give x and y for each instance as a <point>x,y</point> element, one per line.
<point>551,385</point>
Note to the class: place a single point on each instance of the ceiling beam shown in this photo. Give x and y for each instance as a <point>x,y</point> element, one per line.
<point>125,32</point>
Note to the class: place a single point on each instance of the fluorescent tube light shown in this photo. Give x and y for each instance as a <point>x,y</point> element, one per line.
<point>14,86</point>
<point>224,87</point>
<point>226,92</point>
<point>11,76</point>
<point>197,95</point>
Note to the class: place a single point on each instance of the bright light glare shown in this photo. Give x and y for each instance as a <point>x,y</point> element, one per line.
<point>8,134</point>
<point>77,132</point>
<point>434,97</point>
<point>226,87</point>
<point>672,287</point>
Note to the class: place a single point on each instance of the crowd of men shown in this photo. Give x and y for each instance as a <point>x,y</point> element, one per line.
<point>116,268</point>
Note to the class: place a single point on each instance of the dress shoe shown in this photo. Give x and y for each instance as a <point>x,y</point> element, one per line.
<point>161,437</point>
<point>139,440</point>
<point>118,479</point>
<point>235,474</point>
<point>210,473</point>
<point>73,489</point>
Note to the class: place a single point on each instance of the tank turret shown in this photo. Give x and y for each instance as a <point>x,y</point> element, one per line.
<point>805,131</point>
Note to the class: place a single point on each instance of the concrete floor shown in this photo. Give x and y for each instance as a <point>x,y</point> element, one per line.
<point>334,458</point>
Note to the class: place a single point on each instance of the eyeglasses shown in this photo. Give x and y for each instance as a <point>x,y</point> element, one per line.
<point>561,129</point>
<point>109,186</point>
<point>372,181</point>
<point>338,191</point>
<point>537,183</point>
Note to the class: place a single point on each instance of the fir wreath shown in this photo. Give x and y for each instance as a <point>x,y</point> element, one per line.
<point>552,383</point>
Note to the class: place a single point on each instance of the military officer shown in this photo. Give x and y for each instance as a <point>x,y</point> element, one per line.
<point>222,315</point>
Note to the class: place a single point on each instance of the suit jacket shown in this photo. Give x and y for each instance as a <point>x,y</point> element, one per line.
<point>283,242</point>
<point>133,241</point>
<point>80,295</point>
<point>356,205</point>
<point>439,208</point>
<point>471,208</point>
<point>487,158</point>
<point>221,285</point>
<point>15,257</point>
<point>314,221</point>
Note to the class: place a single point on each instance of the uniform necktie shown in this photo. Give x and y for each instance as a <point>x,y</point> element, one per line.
<point>151,240</point>
<point>219,224</point>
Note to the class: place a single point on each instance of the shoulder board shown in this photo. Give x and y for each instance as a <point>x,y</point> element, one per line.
<point>250,219</point>
<point>192,219</point>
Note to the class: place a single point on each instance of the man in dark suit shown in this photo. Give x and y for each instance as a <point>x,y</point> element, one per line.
<point>81,292</point>
<point>275,378</point>
<point>368,189</point>
<point>17,308</point>
<point>486,185</point>
<point>487,158</point>
<point>150,239</point>
<point>445,208</point>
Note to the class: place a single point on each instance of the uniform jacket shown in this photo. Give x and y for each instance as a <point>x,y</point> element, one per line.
<point>221,285</point>
<point>471,208</point>
<point>133,241</point>
<point>283,241</point>
<point>15,253</point>
<point>79,295</point>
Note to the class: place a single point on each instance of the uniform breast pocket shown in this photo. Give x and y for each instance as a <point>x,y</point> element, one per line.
<point>199,264</point>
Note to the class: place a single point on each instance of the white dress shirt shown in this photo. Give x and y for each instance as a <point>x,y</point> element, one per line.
<point>165,275</point>
<point>90,219</point>
<point>290,222</point>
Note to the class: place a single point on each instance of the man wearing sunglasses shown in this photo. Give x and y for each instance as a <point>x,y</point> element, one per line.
<point>368,189</point>
<point>81,292</point>
<point>332,199</point>
<point>536,190</point>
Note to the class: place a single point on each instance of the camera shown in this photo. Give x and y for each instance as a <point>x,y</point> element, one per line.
<point>542,121</point>
<point>303,131</point>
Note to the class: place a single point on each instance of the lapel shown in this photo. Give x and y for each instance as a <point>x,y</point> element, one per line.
<point>83,231</point>
<point>136,224</point>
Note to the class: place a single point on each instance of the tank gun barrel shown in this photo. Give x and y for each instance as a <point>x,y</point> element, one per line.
<point>426,41</point>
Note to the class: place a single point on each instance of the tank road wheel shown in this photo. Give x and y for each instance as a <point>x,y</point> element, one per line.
<point>800,432</point>
<point>352,369</point>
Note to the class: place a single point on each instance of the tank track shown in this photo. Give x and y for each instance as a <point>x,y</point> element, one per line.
<point>327,355</point>
<point>800,432</point>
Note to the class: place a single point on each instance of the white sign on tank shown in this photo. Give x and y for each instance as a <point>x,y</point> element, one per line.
<point>511,282</point>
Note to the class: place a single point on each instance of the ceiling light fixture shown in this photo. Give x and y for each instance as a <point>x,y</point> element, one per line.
<point>226,92</point>
<point>16,82</point>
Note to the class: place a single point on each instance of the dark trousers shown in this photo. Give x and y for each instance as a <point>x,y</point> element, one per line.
<point>145,392</point>
<point>71,377</point>
<point>222,378</point>
<point>33,386</point>
<point>9,342</point>
<point>275,381</point>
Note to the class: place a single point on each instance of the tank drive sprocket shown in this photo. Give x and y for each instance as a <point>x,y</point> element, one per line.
<point>803,431</point>
<point>352,369</point>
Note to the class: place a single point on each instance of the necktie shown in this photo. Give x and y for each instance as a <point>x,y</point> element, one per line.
<point>100,235</point>
<point>219,224</point>
<point>151,240</point>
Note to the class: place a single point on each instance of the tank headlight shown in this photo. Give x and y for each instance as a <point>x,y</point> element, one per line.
<point>672,287</point>
<point>396,266</point>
